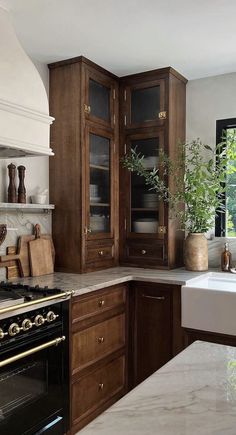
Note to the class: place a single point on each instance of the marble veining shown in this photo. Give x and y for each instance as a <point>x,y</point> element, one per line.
<point>193,394</point>
<point>85,283</point>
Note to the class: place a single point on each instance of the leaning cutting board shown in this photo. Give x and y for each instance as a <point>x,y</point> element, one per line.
<point>22,255</point>
<point>40,254</point>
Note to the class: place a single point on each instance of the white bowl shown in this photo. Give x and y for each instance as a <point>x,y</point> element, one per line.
<point>38,199</point>
<point>146,226</point>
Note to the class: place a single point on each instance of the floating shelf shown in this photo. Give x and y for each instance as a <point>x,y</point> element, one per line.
<point>26,207</point>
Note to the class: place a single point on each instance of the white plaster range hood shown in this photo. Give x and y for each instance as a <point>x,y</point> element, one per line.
<point>24,112</point>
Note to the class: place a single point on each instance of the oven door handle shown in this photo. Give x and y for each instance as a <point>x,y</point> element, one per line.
<point>14,358</point>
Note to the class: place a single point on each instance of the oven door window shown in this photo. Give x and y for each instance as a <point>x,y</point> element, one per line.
<point>31,389</point>
<point>22,385</point>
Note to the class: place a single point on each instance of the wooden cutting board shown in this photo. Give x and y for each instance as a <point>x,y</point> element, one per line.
<point>21,257</point>
<point>40,254</point>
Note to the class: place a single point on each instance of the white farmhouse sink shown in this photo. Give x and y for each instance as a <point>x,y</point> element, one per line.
<point>209,303</point>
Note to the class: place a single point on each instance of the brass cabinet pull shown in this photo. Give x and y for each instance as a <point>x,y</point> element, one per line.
<point>101,253</point>
<point>143,251</point>
<point>162,115</point>
<point>100,340</point>
<point>32,351</point>
<point>87,230</point>
<point>87,109</point>
<point>101,386</point>
<point>158,298</point>
<point>101,303</point>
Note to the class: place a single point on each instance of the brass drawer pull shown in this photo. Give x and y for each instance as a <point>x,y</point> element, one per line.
<point>100,386</point>
<point>143,251</point>
<point>101,253</point>
<point>100,340</point>
<point>87,108</point>
<point>158,298</point>
<point>101,303</point>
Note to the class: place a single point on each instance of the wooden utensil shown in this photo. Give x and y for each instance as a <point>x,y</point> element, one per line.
<point>40,254</point>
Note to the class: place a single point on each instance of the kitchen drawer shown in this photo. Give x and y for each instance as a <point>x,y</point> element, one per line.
<point>146,251</point>
<point>91,391</point>
<point>99,253</point>
<point>98,303</point>
<point>94,343</point>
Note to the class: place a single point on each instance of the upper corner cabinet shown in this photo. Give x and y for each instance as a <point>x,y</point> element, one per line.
<point>144,104</point>
<point>84,170</point>
<point>152,118</point>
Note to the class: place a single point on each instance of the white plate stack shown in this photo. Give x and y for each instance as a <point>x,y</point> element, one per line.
<point>150,200</point>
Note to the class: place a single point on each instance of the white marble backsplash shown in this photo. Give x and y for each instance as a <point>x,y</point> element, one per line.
<point>216,247</point>
<point>21,223</point>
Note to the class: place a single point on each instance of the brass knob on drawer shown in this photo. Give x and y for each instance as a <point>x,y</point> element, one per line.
<point>101,303</point>
<point>100,386</point>
<point>101,253</point>
<point>100,340</point>
<point>143,251</point>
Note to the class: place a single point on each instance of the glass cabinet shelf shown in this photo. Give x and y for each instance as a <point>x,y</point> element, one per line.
<point>99,167</point>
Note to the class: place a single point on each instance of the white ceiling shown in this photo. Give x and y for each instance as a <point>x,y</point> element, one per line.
<point>197,37</point>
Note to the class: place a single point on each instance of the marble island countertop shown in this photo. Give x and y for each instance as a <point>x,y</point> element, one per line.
<point>85,283</point>
<point>193,394</point>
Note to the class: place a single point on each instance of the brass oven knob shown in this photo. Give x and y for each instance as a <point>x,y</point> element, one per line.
<point>39,320</point>
<point>27,324</point>
<point>14,329</point>
<point>2,334</point>
<point>51,316</point>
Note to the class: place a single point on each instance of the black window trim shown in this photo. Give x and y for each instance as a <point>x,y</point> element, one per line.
<point>220,221</point>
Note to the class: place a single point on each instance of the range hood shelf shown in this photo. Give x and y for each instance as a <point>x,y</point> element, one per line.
<point>26,207</point>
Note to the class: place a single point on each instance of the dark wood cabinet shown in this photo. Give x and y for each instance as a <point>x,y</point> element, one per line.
<point>155,328</point>
<point>98,363</point>
<point>84,170</point>
<point>192,335</point>
<point>152,120</point>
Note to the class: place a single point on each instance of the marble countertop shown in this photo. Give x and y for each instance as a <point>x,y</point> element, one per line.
<point>85,283</point>
<point>193,394</point>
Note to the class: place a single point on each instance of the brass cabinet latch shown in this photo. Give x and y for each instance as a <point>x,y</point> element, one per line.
<point>87,108</point>
<point>162,115</point>
<point>162,229</point>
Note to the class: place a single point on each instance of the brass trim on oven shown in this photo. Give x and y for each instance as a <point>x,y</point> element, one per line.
<point>32,351</point>
<point>37,301</point>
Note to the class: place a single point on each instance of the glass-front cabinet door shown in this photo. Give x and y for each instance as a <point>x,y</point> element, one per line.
<point>145,104</point>
<point>100,156</point>
<point>100,95</point>
<point>145,209</point>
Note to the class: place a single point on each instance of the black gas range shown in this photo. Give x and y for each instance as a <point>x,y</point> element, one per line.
<point>33,360</point>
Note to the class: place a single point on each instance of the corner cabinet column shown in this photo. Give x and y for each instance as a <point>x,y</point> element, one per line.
<point>84,171</point>
<point>152,119</point>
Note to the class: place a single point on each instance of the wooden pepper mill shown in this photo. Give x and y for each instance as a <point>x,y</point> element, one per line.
<point>12,197</point>
<point>21,188</point>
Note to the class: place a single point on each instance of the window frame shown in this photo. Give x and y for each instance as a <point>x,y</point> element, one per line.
<point>220,220</point>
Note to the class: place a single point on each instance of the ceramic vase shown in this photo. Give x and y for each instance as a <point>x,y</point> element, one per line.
<point>196,252</point>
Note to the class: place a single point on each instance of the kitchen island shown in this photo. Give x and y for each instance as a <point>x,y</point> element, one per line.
<point>193,394</point>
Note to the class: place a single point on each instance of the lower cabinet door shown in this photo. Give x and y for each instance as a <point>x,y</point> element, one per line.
<point>153,326</point>
<point>93,390</point>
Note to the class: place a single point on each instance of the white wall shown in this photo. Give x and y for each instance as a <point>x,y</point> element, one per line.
<point>208,100</point>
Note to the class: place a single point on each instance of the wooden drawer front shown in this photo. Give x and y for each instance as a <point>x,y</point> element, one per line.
<point>98,303</point>
<point>94,343</point>
<point>99,253</point>
<point>146,251</point>
<point>92,390</point>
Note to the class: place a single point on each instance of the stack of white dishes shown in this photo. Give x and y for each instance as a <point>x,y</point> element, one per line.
<point>98,223</point>
<point>150,161</point>
<point>146,225</point>
<point>93,190</point>
<point>99,159</point>
<point>150,200</point>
